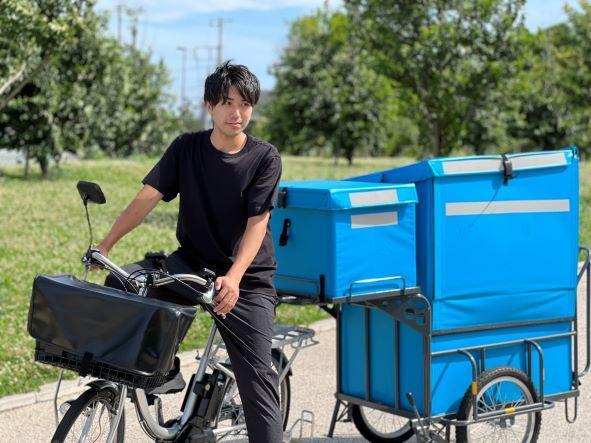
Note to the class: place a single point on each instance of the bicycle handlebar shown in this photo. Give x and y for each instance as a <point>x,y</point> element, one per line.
<point>141,281</point>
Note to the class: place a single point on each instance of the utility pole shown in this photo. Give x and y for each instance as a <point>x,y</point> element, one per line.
<point>183,49</point>
<point>133,30</point>
<point>205,121</point>
<point>220,40</point>
<point>196,57</point>
<point>219,23</point>
<point>119,12</point>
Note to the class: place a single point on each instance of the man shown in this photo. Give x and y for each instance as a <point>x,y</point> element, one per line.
<point>227,182</point>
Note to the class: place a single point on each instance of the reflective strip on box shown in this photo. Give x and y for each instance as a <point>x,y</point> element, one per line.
<point>494,164</point>
<point>373,220</point>
<point>507,207</point>
<point>373,197</point>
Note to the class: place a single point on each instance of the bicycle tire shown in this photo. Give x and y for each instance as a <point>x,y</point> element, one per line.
<point>369,431</point>
<point>284,393</point>
<point>105,396</point>
<point>486,381</point>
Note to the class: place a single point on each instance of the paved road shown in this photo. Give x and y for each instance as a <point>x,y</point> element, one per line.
<point>313,385</point>
<point>10,157</point>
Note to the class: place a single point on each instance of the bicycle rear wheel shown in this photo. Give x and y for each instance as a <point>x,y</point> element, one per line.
<point>231,412</point>
<point>90,418</point>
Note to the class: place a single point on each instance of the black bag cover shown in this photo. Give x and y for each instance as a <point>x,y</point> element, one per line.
<point>106,326</point>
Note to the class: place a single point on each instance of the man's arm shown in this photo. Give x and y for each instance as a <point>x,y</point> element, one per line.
<point>140,206</point>
<point>228,285</point>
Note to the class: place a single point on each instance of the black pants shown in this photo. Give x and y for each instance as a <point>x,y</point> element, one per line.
<point>247,332</point>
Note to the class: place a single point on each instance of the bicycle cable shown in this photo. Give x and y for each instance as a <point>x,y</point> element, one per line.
<point>219,322</point>
<point>209,309</point>
<point>124,283</point>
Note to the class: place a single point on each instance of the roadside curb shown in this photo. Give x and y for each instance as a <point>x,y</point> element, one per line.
<point>72,387</point>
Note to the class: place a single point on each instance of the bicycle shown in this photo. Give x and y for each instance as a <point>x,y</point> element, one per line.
<point>211,409</point>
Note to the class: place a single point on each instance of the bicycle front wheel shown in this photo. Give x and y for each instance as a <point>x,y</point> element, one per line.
<point>90,418</point>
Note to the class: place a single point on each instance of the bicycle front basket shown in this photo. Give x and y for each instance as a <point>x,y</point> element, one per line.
<point>105,332</point>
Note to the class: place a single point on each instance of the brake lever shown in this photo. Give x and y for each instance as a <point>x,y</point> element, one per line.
<point>208,298</point>
<point>88,261</point>
<point>210,276</point>
<point>86,258</point>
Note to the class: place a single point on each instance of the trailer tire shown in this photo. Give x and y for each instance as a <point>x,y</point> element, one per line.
<point>518,387</point>
<point>359,414</point>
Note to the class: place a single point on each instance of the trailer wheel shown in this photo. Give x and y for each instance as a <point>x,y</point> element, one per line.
<point>380,427</point>
<point>500,389</point>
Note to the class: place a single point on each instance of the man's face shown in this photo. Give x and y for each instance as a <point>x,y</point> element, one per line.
<point>231,116</point>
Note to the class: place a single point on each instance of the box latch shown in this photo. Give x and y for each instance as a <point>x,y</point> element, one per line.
<point>282,198</point>
<point>507,169</point>
<point>284,232</point>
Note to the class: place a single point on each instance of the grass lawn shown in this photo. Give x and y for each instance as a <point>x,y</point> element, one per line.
<point>43,230</point>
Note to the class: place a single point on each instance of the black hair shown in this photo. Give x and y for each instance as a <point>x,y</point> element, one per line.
<point>217,85</point>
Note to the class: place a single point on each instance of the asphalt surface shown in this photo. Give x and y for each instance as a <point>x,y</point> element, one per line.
<point>312,387</point>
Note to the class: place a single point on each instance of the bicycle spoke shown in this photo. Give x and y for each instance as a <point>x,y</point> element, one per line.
<point>87,424</point>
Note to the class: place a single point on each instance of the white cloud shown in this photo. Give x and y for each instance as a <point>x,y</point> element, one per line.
<point>159,11</point>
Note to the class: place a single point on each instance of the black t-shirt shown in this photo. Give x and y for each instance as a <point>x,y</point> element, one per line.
<point>218,193</point>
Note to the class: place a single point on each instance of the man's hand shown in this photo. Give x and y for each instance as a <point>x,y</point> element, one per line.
<point>256,227</point>
<point>228,294</point>
<point>104,250</point>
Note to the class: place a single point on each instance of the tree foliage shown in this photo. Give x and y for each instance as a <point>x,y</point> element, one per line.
<point>432,77</point>
<point>327,98</point>
<point>33,32</point>
<point>450,57</point>
<point>566,73</point>
<point>88,95</point>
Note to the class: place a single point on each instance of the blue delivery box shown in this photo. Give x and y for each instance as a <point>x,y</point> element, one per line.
<point>333,239</point>
<point>497,236</point>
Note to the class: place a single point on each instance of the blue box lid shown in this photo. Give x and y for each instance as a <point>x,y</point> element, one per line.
<point>478,164</point>
<point>338,194</point>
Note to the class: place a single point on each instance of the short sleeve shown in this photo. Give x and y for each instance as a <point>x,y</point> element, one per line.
<point>164,174</point>
<point>262,191</point>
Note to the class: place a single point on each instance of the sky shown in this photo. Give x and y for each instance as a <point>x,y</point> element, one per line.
<point>254,32</point>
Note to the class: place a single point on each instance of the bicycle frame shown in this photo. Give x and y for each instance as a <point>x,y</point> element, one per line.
<point>154,429</point>
<point>297,338</point>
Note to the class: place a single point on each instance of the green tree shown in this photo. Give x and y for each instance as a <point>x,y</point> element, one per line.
<point>33,33</point>
<point>566,73</point>
<point>94,96</point>
<point>128,110</point>
<point>536,89</point>
<point>449,56</point>
<point>326,98</point>
<point>552,85</point>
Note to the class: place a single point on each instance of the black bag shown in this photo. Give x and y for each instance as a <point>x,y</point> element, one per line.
<point>105,332</point>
